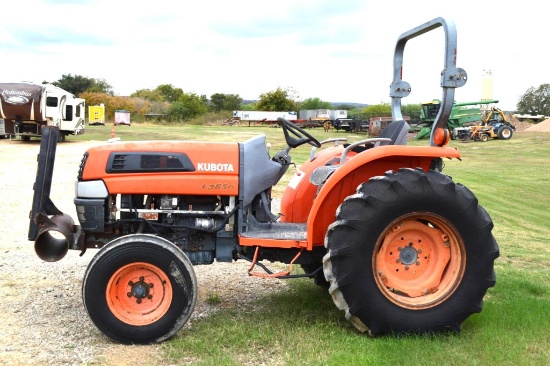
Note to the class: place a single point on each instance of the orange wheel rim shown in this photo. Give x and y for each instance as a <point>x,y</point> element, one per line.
<point>139,294</point>
<point>419,261</point>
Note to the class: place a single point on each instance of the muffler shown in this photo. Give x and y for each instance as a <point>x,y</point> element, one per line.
<point>54,237</point>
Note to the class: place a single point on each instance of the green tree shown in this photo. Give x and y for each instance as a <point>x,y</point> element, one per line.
<point>148,94</point>
<point>101,86</point>
<point>377,110</point>
<point>347,107</point>
<point>78,84</point>
<point>278,100</point>
<point>188,105</point>
<point>384,110</point>
<point>412,110</point>
<point>136,106</point>
<point>535,101</point>
<point>315,103</point>
<point>169,92</point>
<point>225,102</point>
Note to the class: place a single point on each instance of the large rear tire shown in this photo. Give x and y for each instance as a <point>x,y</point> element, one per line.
<point>410,252</point>
<point>139,289</point>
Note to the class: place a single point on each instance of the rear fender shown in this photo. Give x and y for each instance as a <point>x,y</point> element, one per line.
<point>360,168</point>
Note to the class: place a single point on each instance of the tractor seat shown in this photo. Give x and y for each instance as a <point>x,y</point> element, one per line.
<point>396,131</point>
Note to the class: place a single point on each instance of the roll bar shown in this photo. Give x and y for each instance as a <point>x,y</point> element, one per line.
<point>451,76</point>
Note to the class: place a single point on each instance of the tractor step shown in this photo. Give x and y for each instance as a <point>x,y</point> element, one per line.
<point>277,231</point>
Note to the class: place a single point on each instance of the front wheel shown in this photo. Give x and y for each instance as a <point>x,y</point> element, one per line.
<point>505,133</point>
<point>139,289</point>
<point>410,252</point>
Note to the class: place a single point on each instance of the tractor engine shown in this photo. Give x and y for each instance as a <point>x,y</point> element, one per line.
<point>193,223</point>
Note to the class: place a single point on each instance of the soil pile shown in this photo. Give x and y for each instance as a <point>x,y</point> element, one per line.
<point>543,126</point>
<point>519,125</point>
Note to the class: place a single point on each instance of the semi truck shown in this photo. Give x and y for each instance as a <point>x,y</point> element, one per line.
<point>26,107</point>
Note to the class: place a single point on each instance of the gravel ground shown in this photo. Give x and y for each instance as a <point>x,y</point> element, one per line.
<point>44,321</point>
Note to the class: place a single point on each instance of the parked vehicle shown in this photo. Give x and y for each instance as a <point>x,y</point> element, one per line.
<point>494,125</point>
<point>320,116</point>
<point>122,117</point>
<point>27,107</point>
<point>461,114</point>
<point>263,116</point>
<point>400,246</point>
<point>96,115</point>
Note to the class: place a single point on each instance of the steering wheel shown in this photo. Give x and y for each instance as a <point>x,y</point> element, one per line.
<point>296,136</point>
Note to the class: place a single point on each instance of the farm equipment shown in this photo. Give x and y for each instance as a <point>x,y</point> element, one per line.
<point>461,115</point>
<point>493,125</point>
<point>400,246</point>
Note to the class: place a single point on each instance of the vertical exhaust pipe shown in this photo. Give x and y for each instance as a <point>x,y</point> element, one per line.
<point>51,230</point>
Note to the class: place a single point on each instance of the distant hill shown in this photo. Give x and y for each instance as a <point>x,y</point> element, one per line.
<point>354,105</point>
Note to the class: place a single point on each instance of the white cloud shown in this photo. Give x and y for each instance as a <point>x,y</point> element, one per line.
<point>337,51</point>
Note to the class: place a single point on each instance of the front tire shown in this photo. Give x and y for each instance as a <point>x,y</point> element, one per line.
<point>505,133</point>
<point>410,252</point>
<point>139,289</point>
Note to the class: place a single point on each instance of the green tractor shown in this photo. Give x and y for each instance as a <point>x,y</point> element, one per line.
<point>461,114</point>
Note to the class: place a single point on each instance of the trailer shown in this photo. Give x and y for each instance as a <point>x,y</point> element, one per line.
<point>531,117</point>
<point>263,116</point>
<point>27,107</point>
<point>323,115</point>
<point>96,115</point>
<point>122,117</point>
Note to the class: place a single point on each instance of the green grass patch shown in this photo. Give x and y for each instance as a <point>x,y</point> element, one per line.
<point>301,326</point>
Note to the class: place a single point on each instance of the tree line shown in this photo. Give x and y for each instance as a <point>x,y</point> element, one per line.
<point>173,104</point>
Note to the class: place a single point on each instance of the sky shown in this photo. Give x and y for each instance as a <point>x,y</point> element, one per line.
<point>338,51</point>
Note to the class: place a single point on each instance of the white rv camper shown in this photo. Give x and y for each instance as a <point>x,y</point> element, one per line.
<point>26,107</point>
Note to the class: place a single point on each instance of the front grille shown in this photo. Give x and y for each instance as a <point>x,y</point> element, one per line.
<point>81,167</point>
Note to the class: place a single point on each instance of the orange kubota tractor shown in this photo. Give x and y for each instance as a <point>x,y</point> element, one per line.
<point>400,245</point>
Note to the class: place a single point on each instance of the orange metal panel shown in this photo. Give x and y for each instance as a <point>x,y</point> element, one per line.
<point>299,194</point>
<point>358,169</point>
<point>216,169</point>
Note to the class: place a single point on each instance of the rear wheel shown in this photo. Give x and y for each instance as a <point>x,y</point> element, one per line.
<point>410,252</point>
<point>139,289</point>
<point>505,133</point>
